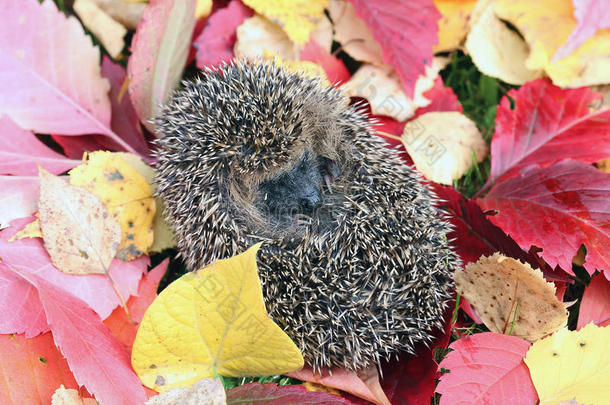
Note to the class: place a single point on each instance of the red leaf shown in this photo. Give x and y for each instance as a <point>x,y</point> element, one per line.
<point>50,78</point>
<point>18,197</point>
<point>364,384</point>
<point>160,48</point>
<point>95,289</point>
<point>442,99</point>
<point>591,15</point>
<point>335,70</point>
<point>123,328</point>
<point>96,358</point>
<point>487,368</point>
<point>406,31</point>
<point>19,305</point>
<point>557,208</point>
<point>21,152</point>
<point>272,394</point>
<point>595,303</point>
<point>547,125</point>
<point>215,44</point>
<point>32,368</point>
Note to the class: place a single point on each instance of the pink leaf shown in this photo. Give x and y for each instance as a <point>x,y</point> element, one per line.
<point>406,31</point>
<point>595,303</point>
<point>18,197</point>
<point>591,15</point>
<point>20,308</point>
<point>364,384</point>
<point>21,152</point>
<point>96,358</point>
<point>215,44</point>
<point>95,289</point>
<point>50,78</point>
<point>487,368</point>
<point>556,208</point>
<point>272,394</point>
<point>335,70</point>
<point>547,125</point>
<point>159,51</point>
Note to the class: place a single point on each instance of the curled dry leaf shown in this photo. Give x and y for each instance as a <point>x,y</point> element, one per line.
<point>497,50</point>
<point>126,195</point>
<point>209,391</point>
<point>70,396</point>
<point>572,365</point>
<point>444,145</point>
<point>257,35</point>
<point>381,86</point>
<point>108,31</point>
<point>505,291</point>
<point>79,234</point>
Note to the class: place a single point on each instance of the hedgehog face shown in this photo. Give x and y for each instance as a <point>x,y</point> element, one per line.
<point>355,264</point>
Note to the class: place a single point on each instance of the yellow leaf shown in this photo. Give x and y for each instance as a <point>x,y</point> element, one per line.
<point>126,195</point>
<point>572,365</point>
<point>546,26</point>
<point>204,8</point>
<point>31,230</point>
<point>78,232</point>
<point>510,296</point>
<point>211,321</point>
<point>297,17</point>
<point>453,25</point>
<point>443,145</point>
<point>163,235</point>
<point>497,50</point>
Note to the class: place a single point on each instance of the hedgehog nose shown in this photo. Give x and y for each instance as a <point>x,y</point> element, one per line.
<point>311,201</point>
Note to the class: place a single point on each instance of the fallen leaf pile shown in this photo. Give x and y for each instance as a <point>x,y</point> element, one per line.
<point>84,247</point>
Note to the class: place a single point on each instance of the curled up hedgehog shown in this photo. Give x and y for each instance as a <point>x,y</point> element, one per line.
<point>355,265</point>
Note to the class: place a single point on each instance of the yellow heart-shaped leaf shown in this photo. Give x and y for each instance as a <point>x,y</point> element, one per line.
<point>209,322</point>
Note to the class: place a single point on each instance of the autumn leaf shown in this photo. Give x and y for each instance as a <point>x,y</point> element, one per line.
<point>37,90</point>
<point>444,145</point>
<point>572,365</point>
<point>557,208</point>
<point>217,324</point>
<point>33,369</point>
<point>18,197</point>
<point>272,394</point>
<point>159,51</point>
<point>595,302</point>
<point>215,44</point>
<point>108,31</point>
<point>547,124</point>
<point>402,30</point>
<point>125,194</point>
<point>205,391</point>
<point>297,17</point>
<point>257,35</point>
<point>70,396</point>
<point>511,297</point>
<point>78,233</point>
<point>453,25</point>
<point>486,368</point>
<point>334,69</point>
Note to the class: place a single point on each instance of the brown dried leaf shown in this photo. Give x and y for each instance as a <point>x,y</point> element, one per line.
<point>78,233</point>
<point>503,289</point>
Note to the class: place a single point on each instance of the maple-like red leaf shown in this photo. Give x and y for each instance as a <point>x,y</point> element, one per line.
<point>595,303</point>
<point>556,208</point>
<point>95,289</point>
<point>273,394</point>
<point>159,49</point>
<point>487,368</point>
<point>591,15</point>
<point>21,152</point>
<point>97,360</point>
<point>32,369</point>
<point>547,125</point>
<point>18,197</point>
<point>215,44</point>
<point>406,31</point>
<point>50,78</point>
<point>335,70</point>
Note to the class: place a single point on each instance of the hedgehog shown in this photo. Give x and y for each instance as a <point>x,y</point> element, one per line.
<point>355,264</point>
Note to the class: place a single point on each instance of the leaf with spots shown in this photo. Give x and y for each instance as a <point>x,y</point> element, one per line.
<point>211,321</point>
<point>511,297</point>
<point>127,196</point>
<point>78,232</point>
<point>572,365</point>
